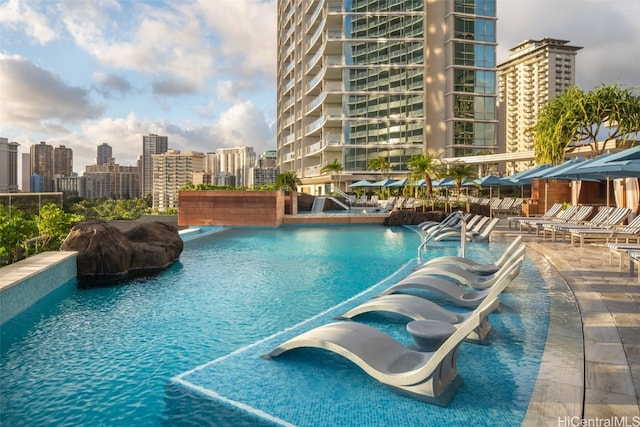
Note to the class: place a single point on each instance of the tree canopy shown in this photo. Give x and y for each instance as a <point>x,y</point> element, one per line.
<point>425,166</point>
<point>334,167</point>
<point>288,181</point>
<point>576,118</point>
<point>379,164</point>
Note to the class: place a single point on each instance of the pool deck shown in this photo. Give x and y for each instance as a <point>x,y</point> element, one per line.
<point>608,303</point>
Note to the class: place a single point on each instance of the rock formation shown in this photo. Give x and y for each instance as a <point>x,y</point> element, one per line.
<point>105,253</point>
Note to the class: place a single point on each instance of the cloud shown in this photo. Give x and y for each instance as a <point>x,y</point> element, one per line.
<point>607,31</point>
<point>34,98</point>
<point>174,87</point>
<point>112,85</point>
<point>166,44</point>
<point>19,14</point>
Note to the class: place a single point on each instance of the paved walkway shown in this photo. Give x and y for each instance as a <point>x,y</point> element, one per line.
<point>608,308</point>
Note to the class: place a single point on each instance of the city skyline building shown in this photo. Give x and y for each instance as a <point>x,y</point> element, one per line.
<point>363,79</point>
<point>62,161</point>
<point>151,144</point>
<point>110,181</point>
<point>8,166</point>
<point>42,165</point>
<point>536,72</point>
<point>25,186</point>
<point>104,154</point>
<point>171,171</point>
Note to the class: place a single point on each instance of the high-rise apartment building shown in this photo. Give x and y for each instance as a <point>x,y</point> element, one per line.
<point>62,161</point>
<point>105,154</point>
<point>536,72</point>
<point>151,144</point>
<point>26,173</point>
<point>171,171</point>
<point>8,166</point>
<point>42,166</point>
<point>362,79</point>
<point>110,180</point>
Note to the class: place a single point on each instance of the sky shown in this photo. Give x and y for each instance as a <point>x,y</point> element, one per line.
<point>83,72</point>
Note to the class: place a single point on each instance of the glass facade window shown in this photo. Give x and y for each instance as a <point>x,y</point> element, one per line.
<point>474,55</point>
<point>476,7</point>
<point>474,81</point>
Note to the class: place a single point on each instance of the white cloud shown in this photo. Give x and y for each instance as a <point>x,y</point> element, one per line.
<point>167,45</point>
<point>34,98</point>
<point>607,31</point>
<point>19,14</point>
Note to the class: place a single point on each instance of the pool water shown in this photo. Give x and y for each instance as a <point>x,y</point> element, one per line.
<point>103,356</point>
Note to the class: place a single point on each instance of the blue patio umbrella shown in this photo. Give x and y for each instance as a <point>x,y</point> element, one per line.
<point>490,181</point>
<point>361,183</point>
<point>400,183</point>
<point>522,178</point>
<point>383,182</point>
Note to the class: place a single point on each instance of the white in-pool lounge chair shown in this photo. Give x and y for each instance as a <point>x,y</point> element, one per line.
<point>476,235</point>
<point>455,293</point>
<point>460,275</point>
<point>474,266</point>
<point>430,376</point>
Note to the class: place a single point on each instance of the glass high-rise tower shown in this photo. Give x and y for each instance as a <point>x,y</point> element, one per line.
<point>151,144</point>
<point>361,79</point>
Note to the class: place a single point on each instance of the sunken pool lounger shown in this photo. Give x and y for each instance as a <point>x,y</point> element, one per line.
<point>462,276</point>
<point>428,376</point>
<point>474,266</point>
<point>453,292</point>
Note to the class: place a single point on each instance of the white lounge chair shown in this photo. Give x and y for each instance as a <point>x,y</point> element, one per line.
<point>475,235</point>
<point>455,293</point>
<point>474,266</point>
<point>463,276</point>
<point>428,376</point>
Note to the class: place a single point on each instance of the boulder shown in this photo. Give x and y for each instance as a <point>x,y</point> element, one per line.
<point>105,253</point>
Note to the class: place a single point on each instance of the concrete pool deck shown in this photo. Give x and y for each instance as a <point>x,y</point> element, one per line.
<point>608,301</point>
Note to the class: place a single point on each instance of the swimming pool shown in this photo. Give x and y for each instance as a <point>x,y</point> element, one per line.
<point>104,356</point>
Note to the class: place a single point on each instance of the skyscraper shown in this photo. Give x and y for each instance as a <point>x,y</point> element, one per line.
<point>363,79</point>
<point>151,144</point>
<point>105,154</point>
<point>62,161</point>
<point>171,171</point>
<point>8,166</point>
<point>536,72</point>
<point>42,165</point>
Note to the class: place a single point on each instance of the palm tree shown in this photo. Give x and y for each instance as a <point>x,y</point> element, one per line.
<point>288,181</point>
<point>425,166</point>
<point>459,172</point>
<point>333,167</point>
<point>379,164</point>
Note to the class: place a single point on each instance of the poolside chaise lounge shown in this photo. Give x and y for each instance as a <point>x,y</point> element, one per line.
<point>619,250</point>
<point>605,218</point>
<point>430,376</point>
<point>549,214</point>
<point>634,258</point>
<point>463,276</point>
<point>460,295</point>
<point>475,223</point>
<point>580,215</point>
<point>476,235</point>
<point>627,233</point>
<point>418,308</point>
<point>474,266</point>
<point>562,216</point>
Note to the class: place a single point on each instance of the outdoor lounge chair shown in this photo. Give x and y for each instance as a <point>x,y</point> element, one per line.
<point>453,220</point>
<point>459,295</point>
<point>418,308</point>
<point>621,249</point>
<point>634,258</point>
<point>474,235</point>
<point>561,217</point>
<point>430,376</point>
<point>391,201</point>
<point>627,233</point>
<point>580,215</point>
<point>605,218</point>
<point>461,275</point>
<point>474,223</point>
<point>474,266</point>
<point>549,214</point>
